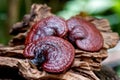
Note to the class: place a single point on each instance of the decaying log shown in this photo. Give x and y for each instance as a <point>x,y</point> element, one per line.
<point>107,73</point>
<point>110,39</point>
<point>16,51</point>
<point>93,58</point>
<point>6,61</point>
<point>18,39</point>
<point>104,23</point>
<point>29,71</point>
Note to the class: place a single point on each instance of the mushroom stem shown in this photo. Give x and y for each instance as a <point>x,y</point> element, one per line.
<point>39,58</point>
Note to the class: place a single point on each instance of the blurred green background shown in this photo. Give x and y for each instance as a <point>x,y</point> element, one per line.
<point>12,11</point>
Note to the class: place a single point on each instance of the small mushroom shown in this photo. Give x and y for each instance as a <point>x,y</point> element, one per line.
<point>53,54</point>
<point>50,26</point>
<point>84,34</point>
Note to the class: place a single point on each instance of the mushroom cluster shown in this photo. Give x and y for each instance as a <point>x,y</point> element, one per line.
<point>74,47</point>
<point>46,44</point>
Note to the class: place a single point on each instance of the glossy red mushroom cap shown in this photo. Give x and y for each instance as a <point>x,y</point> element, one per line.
<point>57,54</point>
<point>84,34</point>
<point>50,26</point>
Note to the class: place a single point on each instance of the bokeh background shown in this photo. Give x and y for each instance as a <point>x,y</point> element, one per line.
<point>12,11</point>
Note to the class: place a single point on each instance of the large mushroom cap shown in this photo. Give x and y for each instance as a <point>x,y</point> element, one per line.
<point>59,53</point>
<point>50,26</point>
<point>84,34</point>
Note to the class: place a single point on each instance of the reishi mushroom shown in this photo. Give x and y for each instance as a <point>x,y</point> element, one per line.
<point>50,26</point>
<point>84,34</point>
<point>47,49</point>
<point>53,54</point>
